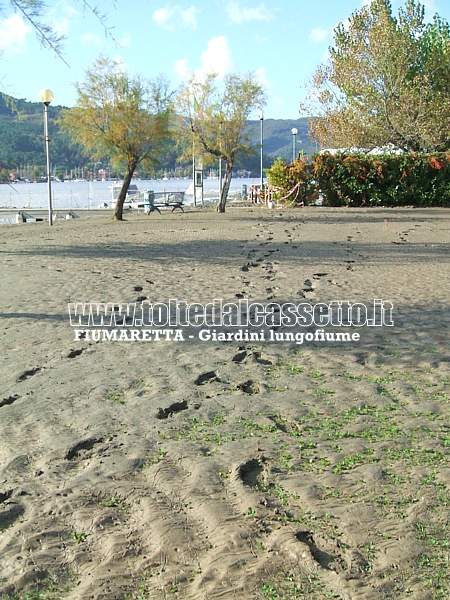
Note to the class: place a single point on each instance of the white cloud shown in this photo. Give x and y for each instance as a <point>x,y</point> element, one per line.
<point>189,17</point>
<point>175,17</point>
<point>216,58</point>
<point>239,14</point>
<point>92,39</point>
<point>318,34</point>
<point>13,33</point>
<point>181,67</point>
<point>162,16</point>
<point>61,17</point>
<point>261,76</point>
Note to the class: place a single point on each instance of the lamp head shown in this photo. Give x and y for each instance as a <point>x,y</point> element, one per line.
<point>46,96</point>
<point>294,131</point>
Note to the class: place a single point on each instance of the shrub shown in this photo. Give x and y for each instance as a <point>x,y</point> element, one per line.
<point>294,183</point>
<point>359,179</point>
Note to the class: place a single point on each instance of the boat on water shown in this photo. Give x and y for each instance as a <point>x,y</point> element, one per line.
<point>137,199</point>
<point>132,198</point>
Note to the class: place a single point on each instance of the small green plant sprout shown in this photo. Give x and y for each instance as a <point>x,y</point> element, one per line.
<point>79,537</point>
<point>316,374</point>
<point>152,460</point>
<point>115,396</point>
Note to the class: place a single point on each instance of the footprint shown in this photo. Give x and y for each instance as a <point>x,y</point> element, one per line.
<point>249,387</point>
<point>7,402</point>
<point>205,378</point>
<point>10,516</point>
<point>248,355</point>
<point>249,264</point>
<point>361,359</point>
<point>324,559</point>
<point>74,353</point>
<point>28,373</point>
<point>5,496</point>
<point>240,356</point>
<point>77,449</point>
<point>359,565</point>
<point>251,472</point>
<point>164,413</point>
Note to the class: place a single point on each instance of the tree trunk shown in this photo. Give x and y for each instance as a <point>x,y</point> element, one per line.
<point>225,188</point>
<point>118,210</point>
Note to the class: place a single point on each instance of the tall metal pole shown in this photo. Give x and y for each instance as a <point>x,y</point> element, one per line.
<point>49,176</point>
<point>261,118</point>
<point>193,170</point>
<point>46,96</point>
<point>220,162</point>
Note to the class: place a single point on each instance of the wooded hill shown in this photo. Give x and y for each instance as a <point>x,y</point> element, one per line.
<point>22,144</point>
<point>22,136</point>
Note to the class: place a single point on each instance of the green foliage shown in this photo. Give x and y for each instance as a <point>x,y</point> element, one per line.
<point>126,119</point>
<point>215,117</point>
<point>412,179</point>
<point>292,184</point>
<point>22,144</point>
<point>387,81</point>
<point>22,140</point>
<point>123,118</point>
<point>357,179</point>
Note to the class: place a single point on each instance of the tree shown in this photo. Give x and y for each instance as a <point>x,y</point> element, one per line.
<point>387,81</point>
<point>122,118</point>
<point>215,119</point>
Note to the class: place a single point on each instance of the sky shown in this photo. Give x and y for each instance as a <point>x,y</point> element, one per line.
<point>281,41</point>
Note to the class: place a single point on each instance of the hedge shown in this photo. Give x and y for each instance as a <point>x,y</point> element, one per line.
<point>358,179</point>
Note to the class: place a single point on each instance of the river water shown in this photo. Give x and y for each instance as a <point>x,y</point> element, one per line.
<point>93,194</point>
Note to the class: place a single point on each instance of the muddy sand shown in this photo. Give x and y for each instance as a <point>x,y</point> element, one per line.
<point>210,469</point>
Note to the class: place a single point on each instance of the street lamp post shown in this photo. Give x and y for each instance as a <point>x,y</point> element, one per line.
<point>220,162</point>
<point>46,96</point>
<point>261,118</point>
<point>294,132</point>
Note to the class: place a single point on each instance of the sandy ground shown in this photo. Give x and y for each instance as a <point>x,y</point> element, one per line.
<point>225,469</point>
